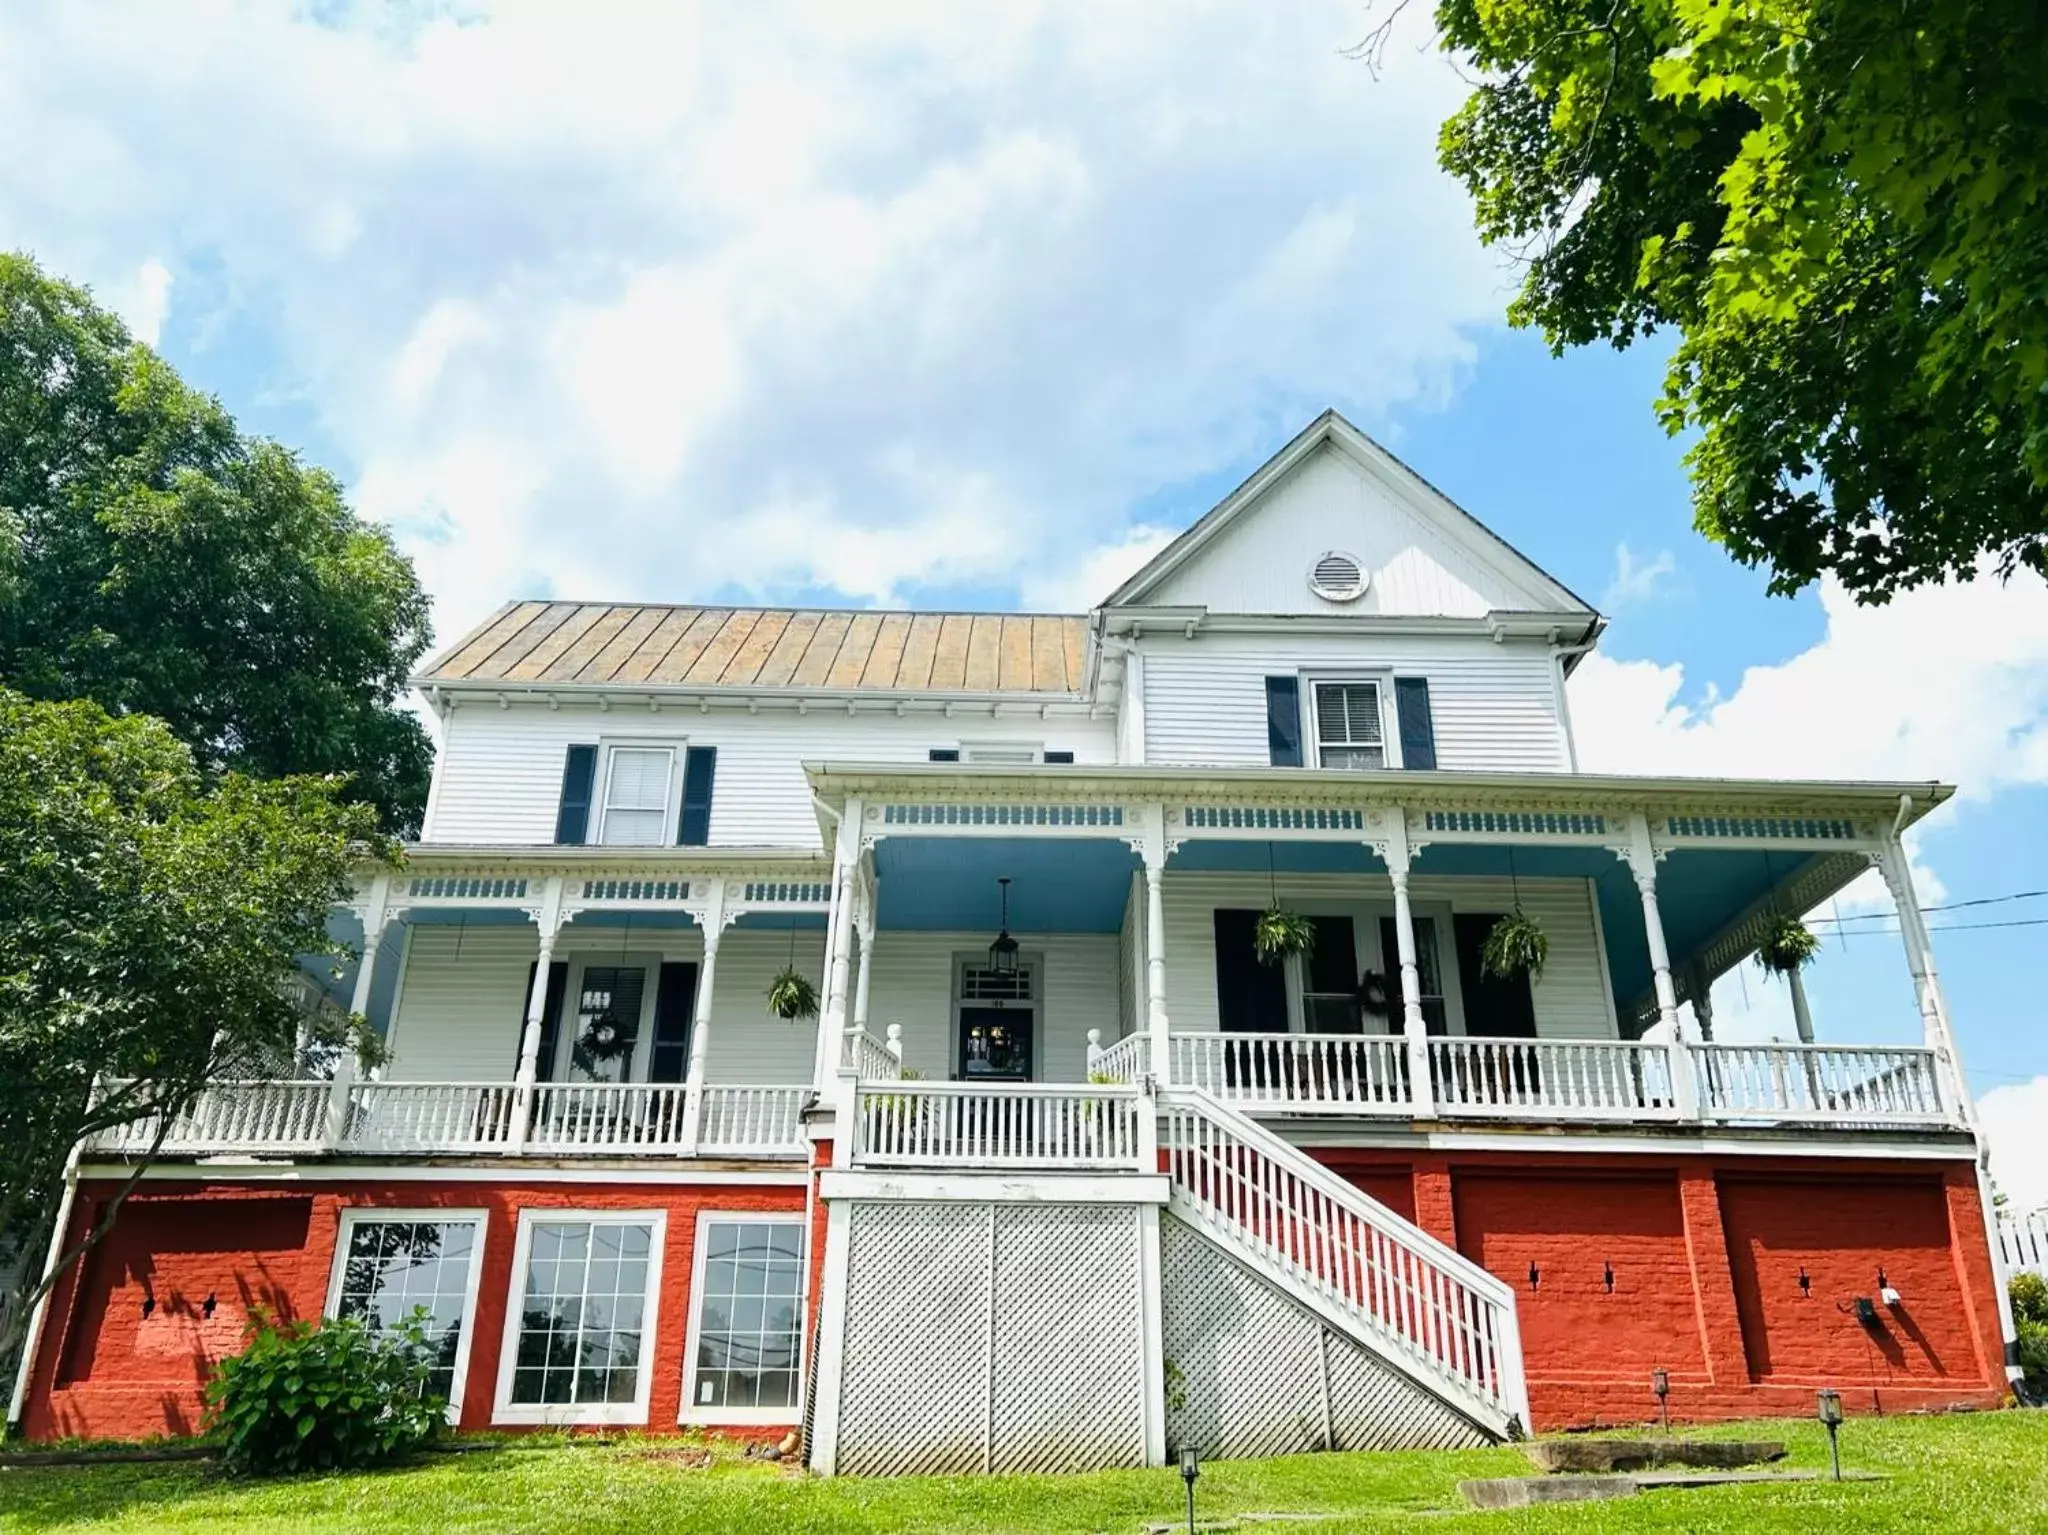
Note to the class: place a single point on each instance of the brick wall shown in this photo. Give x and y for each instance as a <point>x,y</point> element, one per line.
<point>136,1328</point>
<point>1692,1264</point>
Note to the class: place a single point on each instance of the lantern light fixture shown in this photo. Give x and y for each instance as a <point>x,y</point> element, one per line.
<point>1002,954</point>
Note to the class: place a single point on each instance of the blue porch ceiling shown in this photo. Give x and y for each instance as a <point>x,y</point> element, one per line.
<point>1057,885</point>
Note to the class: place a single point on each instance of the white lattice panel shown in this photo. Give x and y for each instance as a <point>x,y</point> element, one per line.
<point>914,1383</point>
<point>1066,1360</point>
<point>991,1337</point>
<point>1254,1373</point>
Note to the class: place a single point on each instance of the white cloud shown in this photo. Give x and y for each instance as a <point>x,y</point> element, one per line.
<point>1635,579</point>
<point>143,300</point>
<point>2015,1121</point>
<point>1102,571</point>
<point>648,299</point>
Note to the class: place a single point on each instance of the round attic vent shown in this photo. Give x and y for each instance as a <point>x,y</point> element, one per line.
<point>1337,576</point>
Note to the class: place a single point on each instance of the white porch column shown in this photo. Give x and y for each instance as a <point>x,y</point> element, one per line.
<point>1802,1014</point>
<point>1934,1023</point>
<point>838,940</point>
<point>1393,850</point>
<point>1641,857</point>
<point>374,911</point>
<point>864,926</point>
<point>711,920</point>
<point>1153,849</point>
<point>547,919</point>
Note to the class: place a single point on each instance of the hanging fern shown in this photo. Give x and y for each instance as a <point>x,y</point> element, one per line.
<point>1786,944</point>
<point>1280,933</point>
<point>792,996</point>
<point>1516,945</point>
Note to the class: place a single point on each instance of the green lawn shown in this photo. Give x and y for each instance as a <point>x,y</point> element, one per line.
<point>1983,1472</point>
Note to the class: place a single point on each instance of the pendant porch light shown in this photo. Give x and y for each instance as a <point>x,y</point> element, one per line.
<point>1002,954</point>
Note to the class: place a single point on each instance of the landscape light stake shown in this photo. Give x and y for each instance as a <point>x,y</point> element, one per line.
<point>1190,1468</point>
<point>1830,1404</point>
<point>1660,1385</point>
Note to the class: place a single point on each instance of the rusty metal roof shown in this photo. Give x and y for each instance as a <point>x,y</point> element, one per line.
<point>583,643</point>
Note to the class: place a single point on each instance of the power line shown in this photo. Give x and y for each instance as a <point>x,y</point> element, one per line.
<point>1989,900</point>
<point>1942,927</point>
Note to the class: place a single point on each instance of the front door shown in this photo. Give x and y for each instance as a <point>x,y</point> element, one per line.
<point>998,1018</point>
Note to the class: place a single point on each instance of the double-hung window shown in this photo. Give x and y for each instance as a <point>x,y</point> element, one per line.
<point>1351,731</point>
<point>579,1337</point>
<point>638,791</point>
<point>744,1363</point>
<point>389,1264</point>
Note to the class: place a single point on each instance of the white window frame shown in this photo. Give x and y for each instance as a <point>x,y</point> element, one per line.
<point>689,1411</point>
<point>503,1408</point>
<point>1030,964</point>
<point>358,1215</point>
<point>672,805</point>
<point>998,753</point>
<point>1390,732</point>
<point>649,965</point>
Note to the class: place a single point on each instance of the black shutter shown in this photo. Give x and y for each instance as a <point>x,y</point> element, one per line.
<point>675,1001</point>
<point>1251,998</point>
<point>945,754</point>
<point>1418,730</point>
<point>1283,721</point>
<point>579,775</point>
<point>1495,1008</point>
<point>700,766</point>
<point>550,1018</point>
<point>1059,756</point>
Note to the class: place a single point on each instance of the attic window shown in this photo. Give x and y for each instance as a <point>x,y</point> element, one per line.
<point>1337,576</point>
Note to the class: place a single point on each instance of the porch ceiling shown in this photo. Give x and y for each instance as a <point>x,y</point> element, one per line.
<point>948,884</point>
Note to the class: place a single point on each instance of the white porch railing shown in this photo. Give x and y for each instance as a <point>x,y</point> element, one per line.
<point>753,1121</point>
<point>1551,1078</point>
<point>1450,1321</point>
<point>423,1118</point>
<point>1832,1084</point>
<point>234,1117</point>
<point>2023,1242</point>
<point>960,1124</point>
<point>1125,1061</point>
<point>874,1060</point>
<point>1300,1073</point>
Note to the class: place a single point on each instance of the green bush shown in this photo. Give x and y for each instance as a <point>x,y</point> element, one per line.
<point>2030,1314</point>
<point>306,1397</point>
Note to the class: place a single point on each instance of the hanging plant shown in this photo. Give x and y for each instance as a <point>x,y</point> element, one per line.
<point>791,995</point>
<point>1281,932</point>
<point>1516,945</point>
<point>1786,944</point>
<point>1375,997</point>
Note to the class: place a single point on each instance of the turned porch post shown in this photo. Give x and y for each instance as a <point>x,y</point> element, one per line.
<point>547,920</point>
<point>375,911</point>
<point>838,940</point>
<point>1641,857</point>
<point>1153,849</point>
<point>1934,1025</point>
<point>1393,850</point>
<point>864,927</point>
<point>711,922</point>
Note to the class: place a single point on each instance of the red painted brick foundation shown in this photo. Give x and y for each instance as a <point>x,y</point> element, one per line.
<point>1692,1264</point>
<point>107,1370</point>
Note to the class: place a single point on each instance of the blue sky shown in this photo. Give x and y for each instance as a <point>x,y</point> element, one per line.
<point>914,302</point>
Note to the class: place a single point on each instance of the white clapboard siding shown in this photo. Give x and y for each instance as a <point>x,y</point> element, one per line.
<point>1494,706</point>
<point>1261,562</point>
<point>749,1043</point>
<point>460,1003</point>
<point>500,770</point>
<point>913,986</point>
<point>1570,999</point>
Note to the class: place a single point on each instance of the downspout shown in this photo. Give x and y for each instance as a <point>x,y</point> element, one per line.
<point>1558,656</point>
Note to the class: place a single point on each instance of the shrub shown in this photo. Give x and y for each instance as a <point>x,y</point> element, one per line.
<point>2030,1318</point>
<point>306,1397</point>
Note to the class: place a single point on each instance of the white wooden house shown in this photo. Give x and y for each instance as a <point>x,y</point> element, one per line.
<point>1062,1174</point>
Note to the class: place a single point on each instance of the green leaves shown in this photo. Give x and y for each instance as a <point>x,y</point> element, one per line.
<point>155,560</point>
<point>339,1395</point>
<point>1840,209</point>
<point>1515,945</point>
<point>1279,933</point>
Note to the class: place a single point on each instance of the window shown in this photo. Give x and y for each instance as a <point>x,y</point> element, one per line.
<point>580,1334</point>
<point>1350,731</point>
<point>614,991</point>
<point>1428,971</point>
<point>388,1263</point>
<point>636,796</point>
<point>744,1352</point>
<point>1329,979</point>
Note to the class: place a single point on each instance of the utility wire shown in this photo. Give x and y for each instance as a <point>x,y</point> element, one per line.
<point>1941,927</point>
<point>1989,900</point>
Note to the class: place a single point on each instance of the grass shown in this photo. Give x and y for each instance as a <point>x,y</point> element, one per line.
<point>1976,1472</point>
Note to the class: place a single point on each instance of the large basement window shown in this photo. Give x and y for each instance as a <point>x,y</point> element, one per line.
<point>1350,727</point>
<point>748,1299</point>
<point>389,1263</point>
<point>580,1334</point>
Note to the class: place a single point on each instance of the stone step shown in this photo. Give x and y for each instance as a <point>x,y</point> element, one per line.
<point>1605,1456</point>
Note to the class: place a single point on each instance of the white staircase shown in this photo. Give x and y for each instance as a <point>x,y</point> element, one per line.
<point>1423,1309</point>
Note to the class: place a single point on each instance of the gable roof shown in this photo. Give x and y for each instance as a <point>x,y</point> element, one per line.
<point>1546,593</point>
<point>815,649</point>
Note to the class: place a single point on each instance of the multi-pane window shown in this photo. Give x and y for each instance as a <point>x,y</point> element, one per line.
<point>582,1313</point>
<point>636,796</point>
<point>749,1301</point>
<point>1350,731</point>
<point>390,1268</point>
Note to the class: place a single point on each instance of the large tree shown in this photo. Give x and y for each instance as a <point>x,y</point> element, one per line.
<point>1841,207</point>
<point>157,561</point>
<point>151,918</point>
